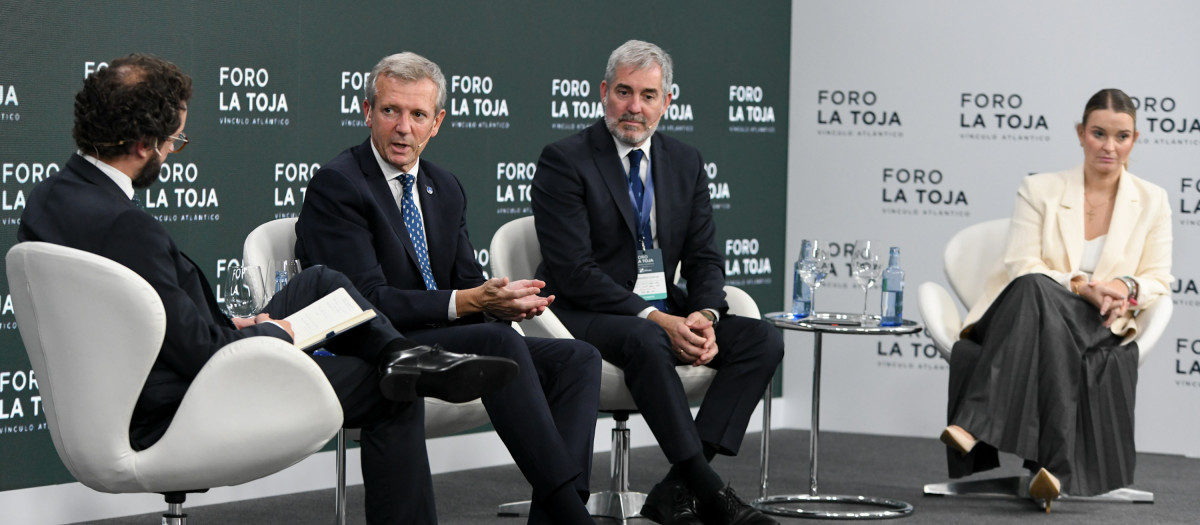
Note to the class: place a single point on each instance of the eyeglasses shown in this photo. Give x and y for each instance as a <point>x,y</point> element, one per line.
<point>178,143</point>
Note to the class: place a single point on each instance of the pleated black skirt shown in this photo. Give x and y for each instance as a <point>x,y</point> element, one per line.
<point>1041,377</point>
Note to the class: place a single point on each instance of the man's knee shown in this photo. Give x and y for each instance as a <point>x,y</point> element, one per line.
<point>322,278</point>
<point>583,354</point>
<point>769,342</point>
<point>500,340</point>
<point>646,344</point>
<point>757,341</point>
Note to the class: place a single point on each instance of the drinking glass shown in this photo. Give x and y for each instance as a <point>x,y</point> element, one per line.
<point>866,268</point>
<point>243,291</point>
<point>282,272</point>
<point>814,267</point>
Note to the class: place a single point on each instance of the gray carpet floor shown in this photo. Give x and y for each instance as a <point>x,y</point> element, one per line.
<point>879,466</point>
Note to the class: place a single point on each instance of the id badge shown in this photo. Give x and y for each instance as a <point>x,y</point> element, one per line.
<point>652,280</point>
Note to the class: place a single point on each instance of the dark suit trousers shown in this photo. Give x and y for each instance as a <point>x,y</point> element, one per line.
<point>547,416</point>
<point>399,488</point>
<point>749,352</point>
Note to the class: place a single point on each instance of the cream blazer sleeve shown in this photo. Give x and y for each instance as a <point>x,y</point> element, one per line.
<point>1046,237</point>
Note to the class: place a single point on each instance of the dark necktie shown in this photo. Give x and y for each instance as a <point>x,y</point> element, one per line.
<point>416,232</point>
<point>639,192</point>
<point>638,189</point>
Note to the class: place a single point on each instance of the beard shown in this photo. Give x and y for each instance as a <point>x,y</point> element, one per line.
<point>148,174</point>
<point>629,138</point>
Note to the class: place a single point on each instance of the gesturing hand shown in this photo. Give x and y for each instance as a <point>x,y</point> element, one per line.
<point>511,301</point>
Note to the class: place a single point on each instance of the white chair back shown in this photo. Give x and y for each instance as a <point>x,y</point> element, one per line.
<point>516,254</point>
<point>972,256</point>
<point>271,241</point>
<point>92,329</point>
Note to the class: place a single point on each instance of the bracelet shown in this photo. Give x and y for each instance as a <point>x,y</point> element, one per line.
<point>1132,285</point>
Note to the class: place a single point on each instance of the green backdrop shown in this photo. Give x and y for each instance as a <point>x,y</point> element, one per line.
<point>278,92</point>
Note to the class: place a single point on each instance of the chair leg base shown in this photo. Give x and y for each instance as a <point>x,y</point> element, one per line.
<point>1018,487</point>
<point>1005,487</point>
<point>175,514</point>
<point>516,509</point>
<point>616,505</point>
<point>608,504</point>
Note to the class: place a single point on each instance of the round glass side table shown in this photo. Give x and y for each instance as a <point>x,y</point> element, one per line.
<point>786,505</point>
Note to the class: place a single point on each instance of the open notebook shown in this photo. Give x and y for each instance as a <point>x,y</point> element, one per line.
<point>325,318</point>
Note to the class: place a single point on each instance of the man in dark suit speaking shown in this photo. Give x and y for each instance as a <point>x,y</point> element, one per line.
<point>617,207</point>
<point>396,224</point>
<point>128,118</point>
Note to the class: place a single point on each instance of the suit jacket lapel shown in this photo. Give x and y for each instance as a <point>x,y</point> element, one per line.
<point>613,173</point>
<point>434,227</point>
<point>1070,218</point>
<point>382,193</point>
<point>1126,210</point>
<point>664,203</point>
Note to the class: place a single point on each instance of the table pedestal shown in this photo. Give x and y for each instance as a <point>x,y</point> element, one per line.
<point>784,505</point>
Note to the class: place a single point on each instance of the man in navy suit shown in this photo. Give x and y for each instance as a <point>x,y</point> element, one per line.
<point>396,225</point>
<point>128,118</point>
<point>617,207</point>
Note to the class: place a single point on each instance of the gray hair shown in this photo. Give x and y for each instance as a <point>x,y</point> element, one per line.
<point>411,67</point>
<point>640,55</point>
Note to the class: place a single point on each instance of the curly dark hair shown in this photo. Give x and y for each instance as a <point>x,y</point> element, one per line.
<point>135,98</point>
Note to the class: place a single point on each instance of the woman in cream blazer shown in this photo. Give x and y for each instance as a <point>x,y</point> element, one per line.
<point>1040,371</point>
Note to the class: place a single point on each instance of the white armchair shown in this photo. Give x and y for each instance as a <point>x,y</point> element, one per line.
<point>93,329</point>
<point>276,241</point>
<point>972,256</point>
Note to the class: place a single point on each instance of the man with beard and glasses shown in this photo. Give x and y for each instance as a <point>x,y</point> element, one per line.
<point>617,207</point>
<point>128,118</point>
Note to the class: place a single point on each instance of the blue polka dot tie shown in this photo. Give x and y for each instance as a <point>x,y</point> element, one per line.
<point>412,221</point>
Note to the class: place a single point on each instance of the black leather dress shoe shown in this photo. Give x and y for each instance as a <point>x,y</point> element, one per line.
<point>728,509</point>
<point>671,503</point>
<point>408,371</point>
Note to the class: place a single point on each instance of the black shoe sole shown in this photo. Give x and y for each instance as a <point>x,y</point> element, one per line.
<point>651,513</point>
<point>399,384</point>
<point>460,382</point>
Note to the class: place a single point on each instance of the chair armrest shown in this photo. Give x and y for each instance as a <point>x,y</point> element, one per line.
<point>1152,322</point>
<point>443,418</point>
<point>740,303</point>
<point>258,406</point>
<point>545,325</point>
<point>940,315</point>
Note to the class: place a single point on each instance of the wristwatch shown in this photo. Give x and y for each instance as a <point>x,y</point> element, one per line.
<point>710,316</point>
